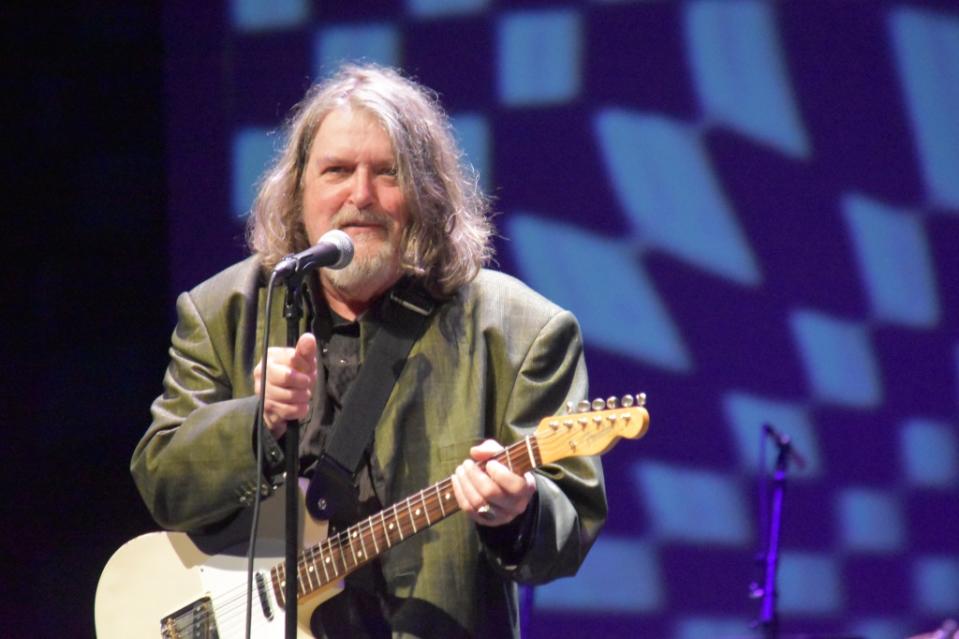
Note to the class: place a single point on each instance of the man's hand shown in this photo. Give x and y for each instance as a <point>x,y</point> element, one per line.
<point>290,377</point>
<point>495,495</point>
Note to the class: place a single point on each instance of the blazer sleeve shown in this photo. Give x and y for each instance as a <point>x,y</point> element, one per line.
<point>570,505</point>
<point>196,466</point>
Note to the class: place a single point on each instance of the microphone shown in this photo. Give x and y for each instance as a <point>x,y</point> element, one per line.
<point>785,444</point>
<point>333,250</point>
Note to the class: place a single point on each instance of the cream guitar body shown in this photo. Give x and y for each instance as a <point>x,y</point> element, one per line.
<point>163,585</point>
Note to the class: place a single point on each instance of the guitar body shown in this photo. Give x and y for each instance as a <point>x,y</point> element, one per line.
<point>171,584</point>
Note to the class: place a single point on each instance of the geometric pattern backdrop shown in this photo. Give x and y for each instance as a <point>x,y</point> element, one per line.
<point>753,210</point>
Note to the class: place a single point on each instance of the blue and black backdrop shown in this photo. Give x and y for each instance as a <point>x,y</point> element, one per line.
<point>752,208</point>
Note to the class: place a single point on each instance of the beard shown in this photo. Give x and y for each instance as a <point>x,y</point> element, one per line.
<point>364,268</point>
<point>368,264</point>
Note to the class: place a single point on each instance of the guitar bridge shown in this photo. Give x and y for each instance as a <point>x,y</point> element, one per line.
<point>195,621</point>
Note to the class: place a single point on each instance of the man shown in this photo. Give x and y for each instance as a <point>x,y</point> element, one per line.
<point>371,153</point>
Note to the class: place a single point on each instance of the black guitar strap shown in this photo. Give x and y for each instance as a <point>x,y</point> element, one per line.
<point>405,316</point>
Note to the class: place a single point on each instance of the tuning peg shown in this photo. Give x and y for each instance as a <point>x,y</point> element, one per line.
<point>641,399</point>
<point>627,401</point>
<point>611,402</point>
<point>583,406</point>
<point>570,407</point>
<point>598,404</point>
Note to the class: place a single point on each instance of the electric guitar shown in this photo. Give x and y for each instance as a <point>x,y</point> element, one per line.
<point>176,585</point>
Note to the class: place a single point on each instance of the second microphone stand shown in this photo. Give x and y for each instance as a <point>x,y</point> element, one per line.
<point>768,620</point>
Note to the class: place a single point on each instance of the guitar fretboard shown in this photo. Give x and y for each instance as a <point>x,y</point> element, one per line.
<point>341,554</point>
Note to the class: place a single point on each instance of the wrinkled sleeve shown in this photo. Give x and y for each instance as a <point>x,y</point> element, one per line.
<point>196,466</point>
<point>570,505</point>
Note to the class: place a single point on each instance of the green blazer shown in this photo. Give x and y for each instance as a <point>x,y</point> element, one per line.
<point>494,360</point>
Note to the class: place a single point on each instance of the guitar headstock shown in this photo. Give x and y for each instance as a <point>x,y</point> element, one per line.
<point>592,428</point>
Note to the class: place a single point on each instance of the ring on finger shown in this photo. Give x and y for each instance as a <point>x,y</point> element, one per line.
<point>486,512</point>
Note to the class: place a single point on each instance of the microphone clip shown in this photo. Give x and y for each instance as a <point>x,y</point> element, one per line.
<point>786,449</point>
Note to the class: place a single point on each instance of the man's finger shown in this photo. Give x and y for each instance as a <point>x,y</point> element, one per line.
<point>286,377</point>
<point>304,357</point>
<point>289,395</point>
<point>489,448</point>
<point>504,477</point>
<point>486,486</point>
<point>467,498</point>
<point>285,412</point>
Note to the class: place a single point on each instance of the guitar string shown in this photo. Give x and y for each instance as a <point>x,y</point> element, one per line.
<point>225,603</point>
<point>229,603</point>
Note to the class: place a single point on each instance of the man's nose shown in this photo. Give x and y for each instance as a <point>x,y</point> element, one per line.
<point>362,192</point>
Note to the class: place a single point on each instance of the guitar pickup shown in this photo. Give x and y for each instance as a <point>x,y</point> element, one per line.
<point>194,621</point>
<point>264,599</point>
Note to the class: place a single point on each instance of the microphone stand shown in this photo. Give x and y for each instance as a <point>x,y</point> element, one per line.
<point>768,618</point>
<point>293,312</point>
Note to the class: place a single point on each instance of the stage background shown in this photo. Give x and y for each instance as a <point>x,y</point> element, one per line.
<point>751,207</point>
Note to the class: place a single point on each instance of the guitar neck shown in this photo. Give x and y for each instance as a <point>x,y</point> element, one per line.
<point>343,553</point>
<point>584,433</point>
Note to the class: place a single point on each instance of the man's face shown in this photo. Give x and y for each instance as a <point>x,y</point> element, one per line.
<point>350,183</point>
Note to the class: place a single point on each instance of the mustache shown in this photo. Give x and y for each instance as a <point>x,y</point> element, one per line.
<point>349,217</point>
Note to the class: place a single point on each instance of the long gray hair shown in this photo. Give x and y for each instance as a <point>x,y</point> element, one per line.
<point>449,236</point>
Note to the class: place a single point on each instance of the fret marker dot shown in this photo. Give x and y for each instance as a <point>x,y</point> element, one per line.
<point>418,511</point>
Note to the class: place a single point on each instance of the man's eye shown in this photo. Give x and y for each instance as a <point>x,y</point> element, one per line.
<point>390,171</point>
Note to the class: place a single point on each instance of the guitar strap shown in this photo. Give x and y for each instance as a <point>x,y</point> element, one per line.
<point>405,316</point>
